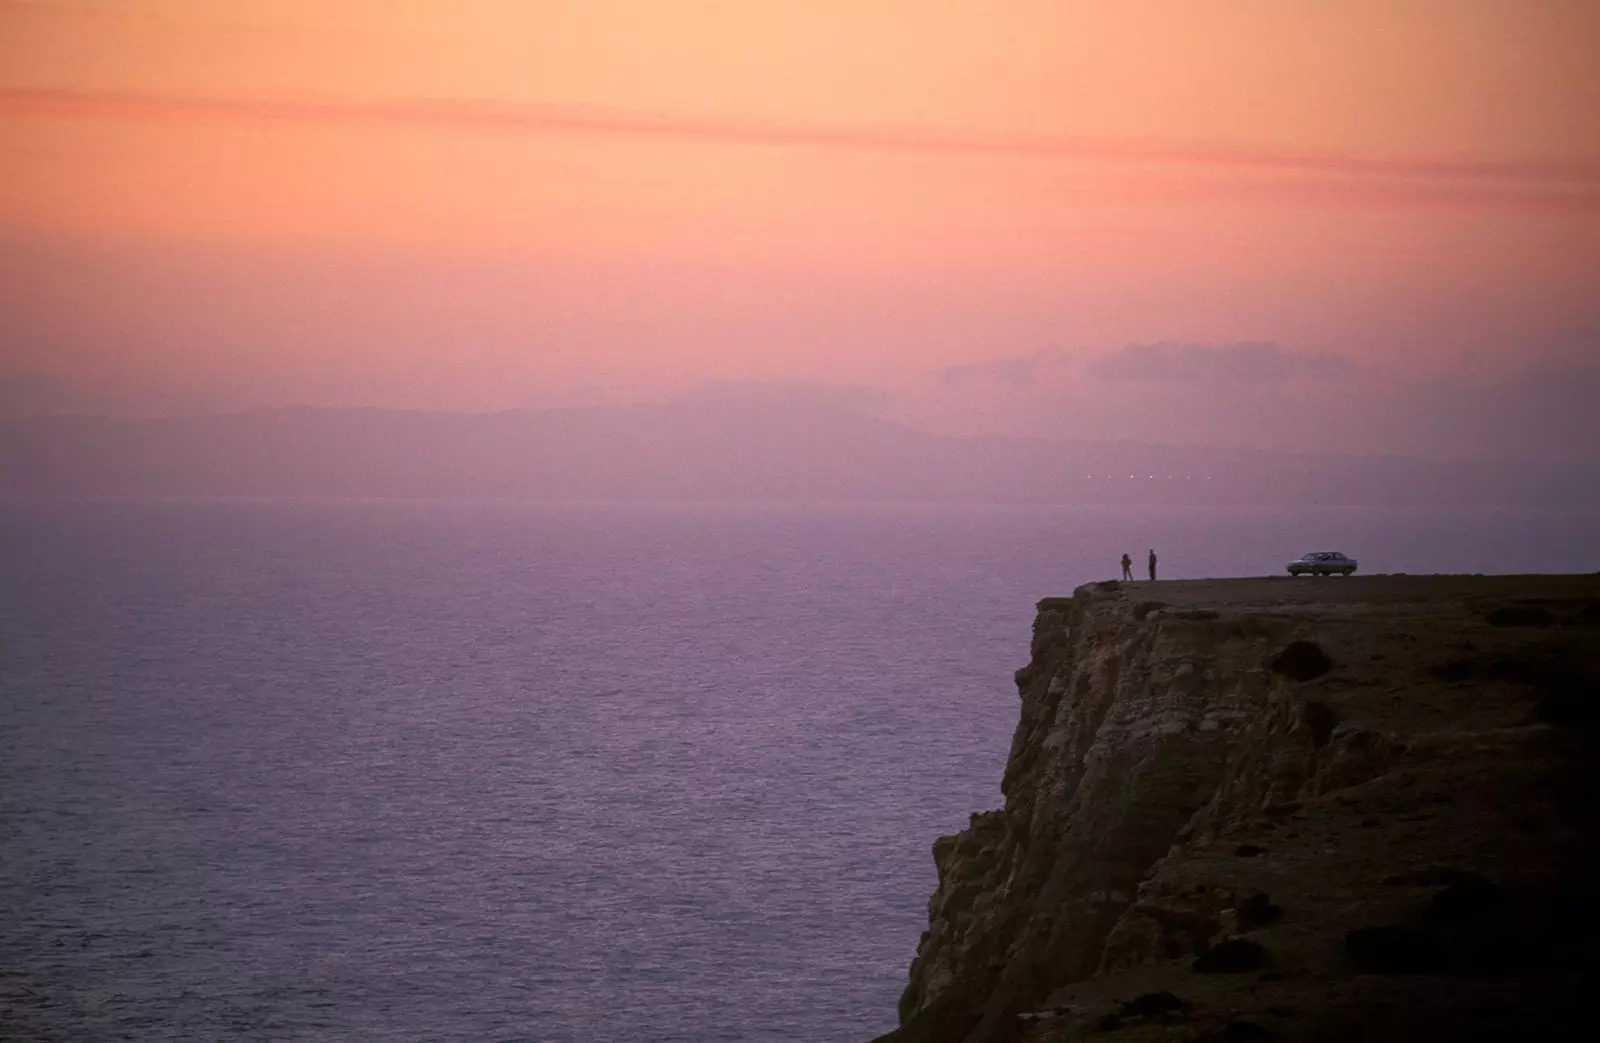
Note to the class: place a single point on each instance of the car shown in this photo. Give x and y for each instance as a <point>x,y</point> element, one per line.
<point>1322,563</point>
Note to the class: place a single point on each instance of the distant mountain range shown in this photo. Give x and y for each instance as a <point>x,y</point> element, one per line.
<point>706,450</point>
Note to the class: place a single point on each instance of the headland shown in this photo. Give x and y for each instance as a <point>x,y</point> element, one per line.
<point>1278,809</point>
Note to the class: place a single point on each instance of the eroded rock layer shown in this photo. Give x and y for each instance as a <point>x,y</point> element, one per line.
<point>1289,809</point>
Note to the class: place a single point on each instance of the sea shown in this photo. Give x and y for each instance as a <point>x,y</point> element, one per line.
<point>333,771</point>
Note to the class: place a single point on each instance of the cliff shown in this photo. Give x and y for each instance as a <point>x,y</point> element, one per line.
<point>1283,809</point>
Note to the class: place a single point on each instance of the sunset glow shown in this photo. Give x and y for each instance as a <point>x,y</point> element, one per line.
<point>478,205</point>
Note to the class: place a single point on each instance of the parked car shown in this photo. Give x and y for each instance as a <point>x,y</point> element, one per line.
<point>1322,563</point>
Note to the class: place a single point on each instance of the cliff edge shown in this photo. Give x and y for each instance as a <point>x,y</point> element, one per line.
<point>1283,809</point>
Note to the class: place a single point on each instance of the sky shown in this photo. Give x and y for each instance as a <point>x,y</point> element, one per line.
<point>1364,226</point>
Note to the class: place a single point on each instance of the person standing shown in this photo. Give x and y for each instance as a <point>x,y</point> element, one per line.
<point>1152,564</point>
<point>1127,568</point>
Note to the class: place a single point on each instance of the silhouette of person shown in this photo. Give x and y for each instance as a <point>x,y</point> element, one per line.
<point>1127,567</point>
<point>1152,564</point>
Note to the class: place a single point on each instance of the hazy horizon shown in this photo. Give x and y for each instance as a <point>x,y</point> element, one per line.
<point>779,443</point>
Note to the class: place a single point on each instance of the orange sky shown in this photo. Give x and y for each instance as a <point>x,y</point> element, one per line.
<point>473,204</point>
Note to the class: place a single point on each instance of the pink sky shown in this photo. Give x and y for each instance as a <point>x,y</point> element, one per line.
<point>1366,225</point>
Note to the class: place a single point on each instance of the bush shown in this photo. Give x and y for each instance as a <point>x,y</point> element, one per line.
<point>1302,661</point>
<point>1231,957</point>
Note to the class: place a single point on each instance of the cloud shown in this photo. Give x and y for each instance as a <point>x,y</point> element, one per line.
<point>1243,362</point>
<point>1563,185</point>
<point>1018,372</point>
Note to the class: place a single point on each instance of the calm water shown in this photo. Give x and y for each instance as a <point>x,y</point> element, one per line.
<point>506,772</point>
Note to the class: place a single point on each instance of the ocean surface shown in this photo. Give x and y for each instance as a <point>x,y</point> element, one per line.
<point>495,772</point>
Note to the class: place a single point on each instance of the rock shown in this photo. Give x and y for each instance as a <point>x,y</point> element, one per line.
<point>1394,949</point>
<point>1235,1031</point>
<point>1028,1017</point>
<point>1152,1007</point>
<point>1235,956</point>
<point>1154,1004</point>
<point>1570,913</point>
<point>1463,899</point>
<point>1569,703</point>
<point>1121,846</point>
<point>1519,616</point>
<point>1258,911</point>
<point>1301,661</point>
<point>1432,876</point>
<point>1320,720</point>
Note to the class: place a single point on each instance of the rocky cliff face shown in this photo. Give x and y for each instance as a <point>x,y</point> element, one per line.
<point>1290,809</point>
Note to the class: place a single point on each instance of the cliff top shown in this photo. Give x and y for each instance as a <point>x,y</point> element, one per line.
<point>1294,809</point>
<point>1271,592</point>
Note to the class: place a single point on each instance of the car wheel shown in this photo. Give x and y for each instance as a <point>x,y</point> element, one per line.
<point>1347,572</point>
